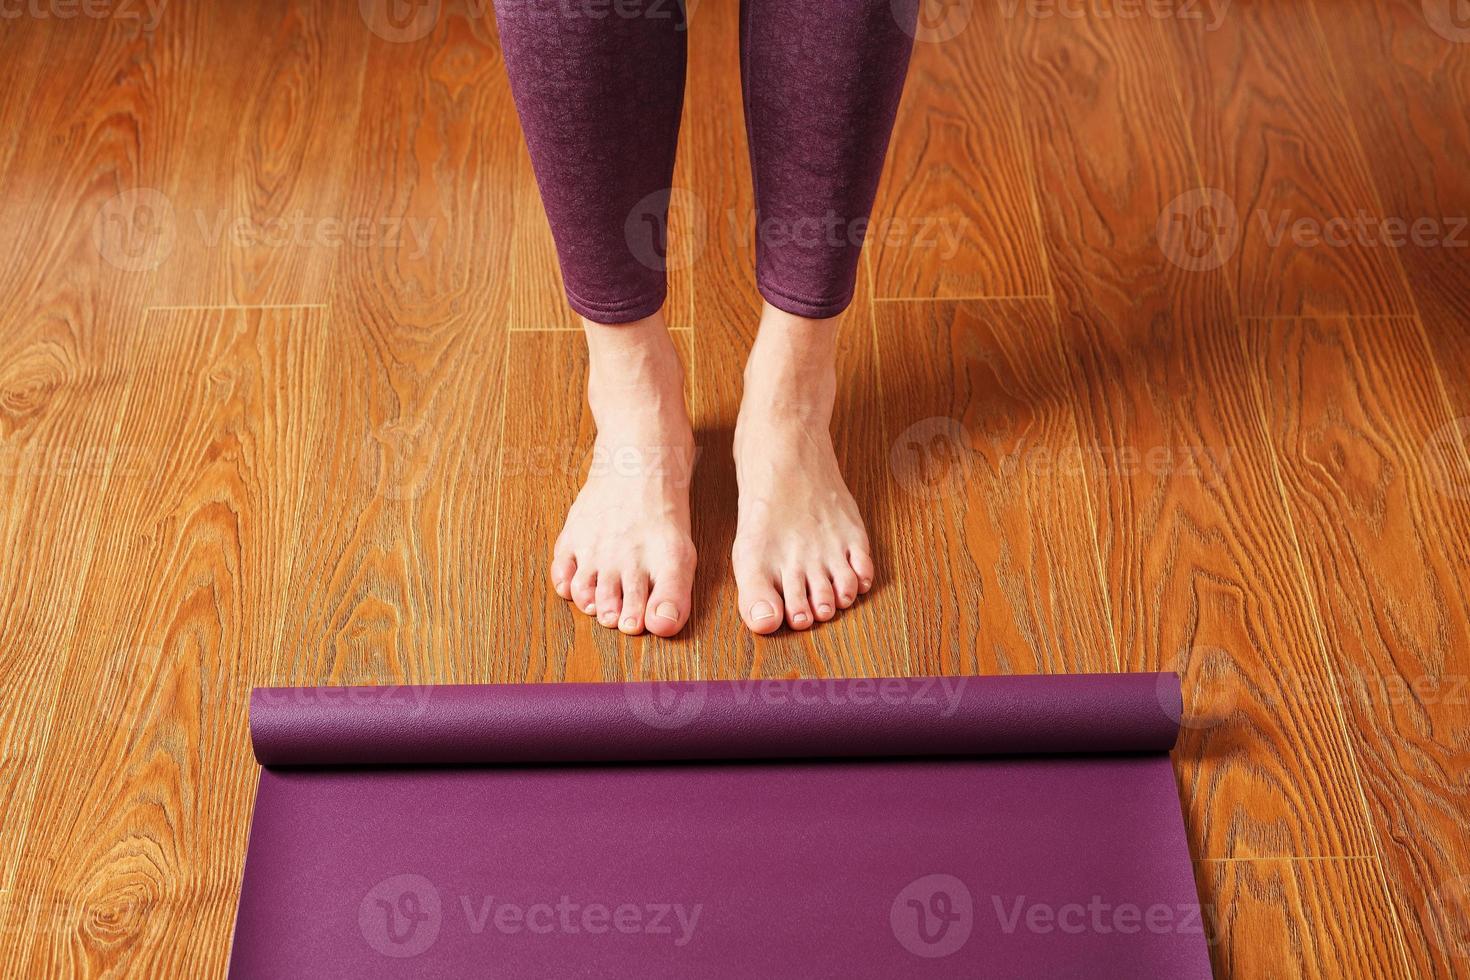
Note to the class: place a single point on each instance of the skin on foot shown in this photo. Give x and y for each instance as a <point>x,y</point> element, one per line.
<point>801,552</point>
<point>625,556</point>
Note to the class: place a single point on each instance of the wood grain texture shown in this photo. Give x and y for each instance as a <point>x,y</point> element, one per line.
<point>984,451</point>
<point>1274,138</point>
<point>152,696</point>
<point>956,208</point>
<point>102,120</point>
<point>1196,546</point>
<point>259,213</point>
<point>1406,80</point>
<point>1352,408</point>
<point>1282,918</point>
<point>307,463</point>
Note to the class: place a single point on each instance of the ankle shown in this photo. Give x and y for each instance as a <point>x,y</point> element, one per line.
<point>633,357</point>
<point>792,368</point>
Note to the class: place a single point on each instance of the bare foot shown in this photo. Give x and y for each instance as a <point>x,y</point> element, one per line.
<point>801,552</point>
<point>624,555</point>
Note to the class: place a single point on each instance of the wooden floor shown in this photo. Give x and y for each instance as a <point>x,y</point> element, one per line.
<point>1161,360</point>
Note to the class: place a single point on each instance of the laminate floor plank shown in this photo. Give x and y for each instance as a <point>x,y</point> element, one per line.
<point>956,211</point>
<point>985,453</point>
<point>1278,152</point>
<point>1350,407</point>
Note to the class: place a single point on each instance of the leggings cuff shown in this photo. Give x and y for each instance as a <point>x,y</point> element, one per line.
<point>811,309</point>
<point>627,311</point>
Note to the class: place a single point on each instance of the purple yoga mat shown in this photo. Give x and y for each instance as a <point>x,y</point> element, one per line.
<point>975,827</point>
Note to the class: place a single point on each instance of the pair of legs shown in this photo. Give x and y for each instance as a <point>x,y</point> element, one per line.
<point>599,88</point>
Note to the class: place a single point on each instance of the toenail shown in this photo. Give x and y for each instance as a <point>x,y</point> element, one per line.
<point>609,618</point>
<point>762,610</point>
<point>630,623</point>
<point>799,619</point>
<point>667,610</point>
<point>824,610</point>
<point>590,608</point>
<point>867,583</point>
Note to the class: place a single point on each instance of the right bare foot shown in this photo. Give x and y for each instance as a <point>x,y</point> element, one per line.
<point>625,555</point>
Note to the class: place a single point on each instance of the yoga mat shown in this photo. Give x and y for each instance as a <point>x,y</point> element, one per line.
<point>962,826</point>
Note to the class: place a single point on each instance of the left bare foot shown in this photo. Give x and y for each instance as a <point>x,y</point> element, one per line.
<point>801,552</point>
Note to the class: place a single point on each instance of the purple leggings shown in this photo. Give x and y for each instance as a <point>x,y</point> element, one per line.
<point>599,86</point>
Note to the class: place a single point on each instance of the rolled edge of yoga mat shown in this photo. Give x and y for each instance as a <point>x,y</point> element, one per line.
<point>715,720</point>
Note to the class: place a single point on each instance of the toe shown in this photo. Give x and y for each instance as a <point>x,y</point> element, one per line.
<point>563,570</point>
<point>609,599</point>
<point>584,588</point>
<point>862,565</point>
<point>669,603</point>
<point>635,599</point>
<point>760,603</point>
<point>820,594</point>
<point>845,583</point>
<point>793,593</point>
